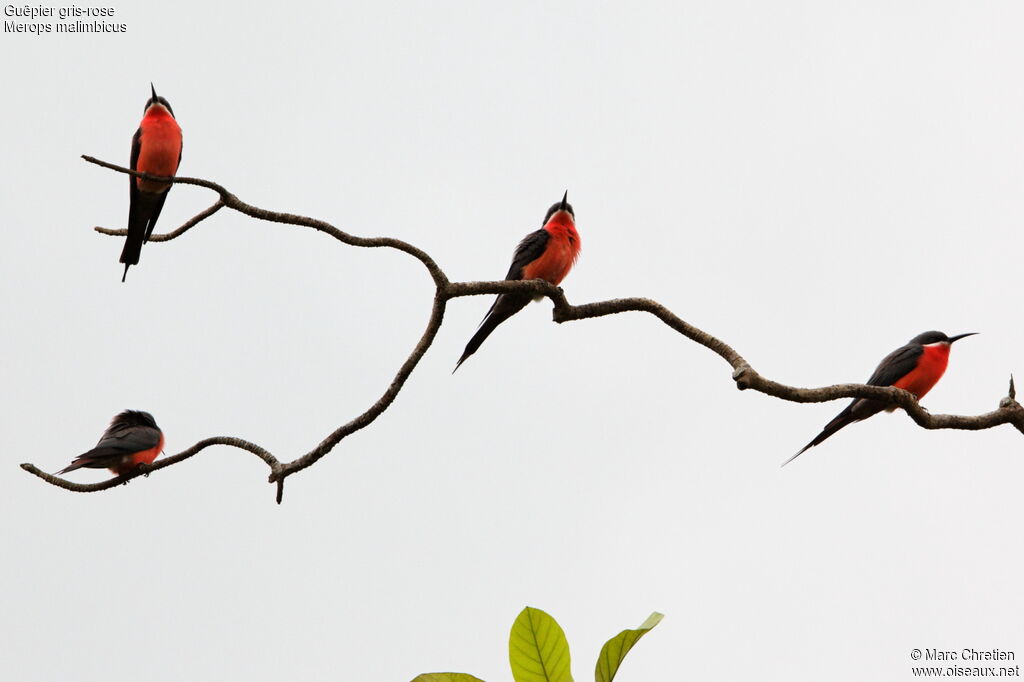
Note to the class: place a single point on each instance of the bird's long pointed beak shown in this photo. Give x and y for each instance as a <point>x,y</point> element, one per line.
<point>152,89</point>
<point>565,203</point>
<point>960,336</point>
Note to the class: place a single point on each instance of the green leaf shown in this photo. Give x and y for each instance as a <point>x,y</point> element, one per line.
<point>446,677</point>
<point>537,649</point>
<point>616,648</point>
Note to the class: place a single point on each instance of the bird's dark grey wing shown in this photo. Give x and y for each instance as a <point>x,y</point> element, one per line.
<point>117,442</point>
<point>129,439</point>
<point>895,365</point>
<point>890,370</point>
<point>158,205</point>
<point>529,250</point>
<point>134,162</point>
<point>507,305</point>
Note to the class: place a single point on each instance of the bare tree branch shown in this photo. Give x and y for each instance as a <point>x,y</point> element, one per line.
<point>147,469</point>
<point>231,201</point>
<point>168,236</point>
<point>375,410</point>
<point>745,376</point>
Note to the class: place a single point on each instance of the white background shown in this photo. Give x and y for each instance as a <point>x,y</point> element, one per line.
<point>814,183</point>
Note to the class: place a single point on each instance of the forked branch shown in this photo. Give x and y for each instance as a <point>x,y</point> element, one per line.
<point>745,376</point>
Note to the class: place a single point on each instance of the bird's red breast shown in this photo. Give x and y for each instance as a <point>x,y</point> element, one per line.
<point>930,368</point>
<point>560,253</point>
<point>159,147</point>
<point>129,462</point>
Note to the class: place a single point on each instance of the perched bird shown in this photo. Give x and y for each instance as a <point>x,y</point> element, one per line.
<point>548,254</point>
<point>915,367</point>
<point>132,438</point>
<point>156,149</point>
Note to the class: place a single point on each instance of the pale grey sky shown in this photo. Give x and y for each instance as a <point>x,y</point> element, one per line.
<point>815,183</point>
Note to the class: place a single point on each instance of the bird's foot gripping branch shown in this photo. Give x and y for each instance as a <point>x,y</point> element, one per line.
<point>745,376</point>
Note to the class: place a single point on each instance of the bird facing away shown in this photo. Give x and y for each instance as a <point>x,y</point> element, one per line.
<point>132,438</point>
<point>548,254</point>
<point>915,367</point>
<point>156,149</point>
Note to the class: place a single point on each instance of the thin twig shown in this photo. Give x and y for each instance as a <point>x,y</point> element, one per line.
<point>168,236</point>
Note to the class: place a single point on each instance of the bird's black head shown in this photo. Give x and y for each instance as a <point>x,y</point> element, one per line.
<point>134,418</point>
<point>157,99</point>
<point>928,338</point>
<point>562,205</point>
